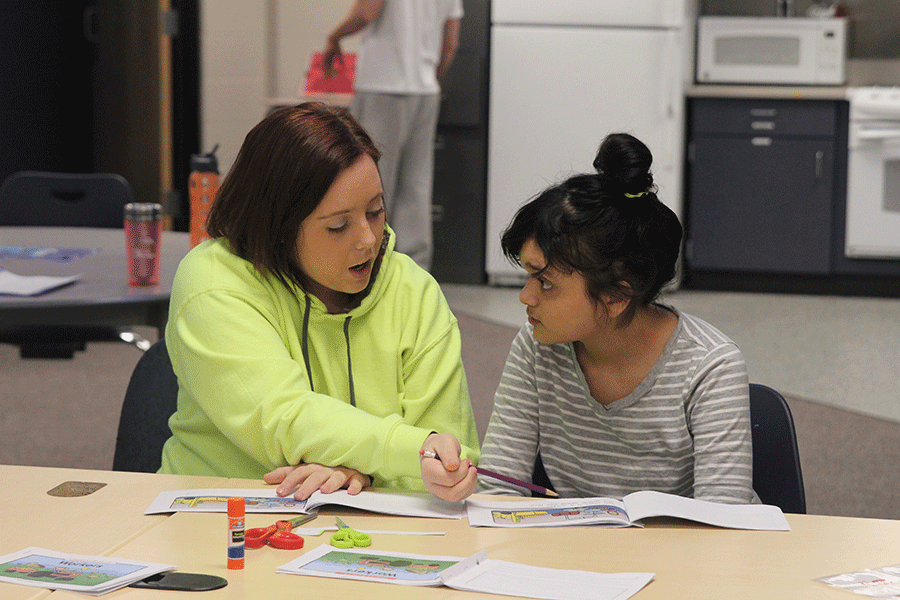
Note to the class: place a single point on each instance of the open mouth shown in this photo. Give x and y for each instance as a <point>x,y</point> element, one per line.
<point>361,268</point>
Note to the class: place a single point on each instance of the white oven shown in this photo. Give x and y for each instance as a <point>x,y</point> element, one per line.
<point>873,175</point>
<point>774,50</point>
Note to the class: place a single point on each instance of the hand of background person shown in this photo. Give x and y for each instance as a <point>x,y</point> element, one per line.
<point>331,53</point>
<point>448,477</point>
<point>306,478</point>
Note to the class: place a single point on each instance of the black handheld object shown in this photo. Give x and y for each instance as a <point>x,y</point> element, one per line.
<point>181,582</point>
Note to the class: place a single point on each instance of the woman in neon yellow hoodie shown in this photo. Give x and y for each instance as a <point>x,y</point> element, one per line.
<point>299,337</point>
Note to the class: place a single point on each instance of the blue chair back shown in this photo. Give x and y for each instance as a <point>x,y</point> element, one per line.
<point>151,398</point>
<point>45,199</point>
<point>777,477</point>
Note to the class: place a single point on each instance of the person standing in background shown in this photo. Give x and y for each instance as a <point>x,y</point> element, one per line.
<point>406,48</point>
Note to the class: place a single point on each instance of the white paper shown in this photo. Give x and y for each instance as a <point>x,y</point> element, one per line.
<point>31,285</point>
<point>608,512</point>
<point>266,500</point>
<point>481,574</point>
<point>91,575</point>
<point>764,517</point>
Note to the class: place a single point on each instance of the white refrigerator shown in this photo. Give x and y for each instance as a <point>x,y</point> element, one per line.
<point>565,73</point>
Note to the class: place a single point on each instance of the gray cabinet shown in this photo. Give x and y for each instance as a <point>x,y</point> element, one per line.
<point>761,185</point>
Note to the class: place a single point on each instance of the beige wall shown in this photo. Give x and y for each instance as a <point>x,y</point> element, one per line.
<point>253,55</point>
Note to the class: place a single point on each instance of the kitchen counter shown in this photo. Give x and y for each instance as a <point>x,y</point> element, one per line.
<point>787,92</point>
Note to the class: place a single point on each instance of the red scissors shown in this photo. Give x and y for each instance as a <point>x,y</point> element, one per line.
<point>278,535</point>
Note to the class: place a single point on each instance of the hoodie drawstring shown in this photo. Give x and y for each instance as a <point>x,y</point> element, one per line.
<point>305,345</point>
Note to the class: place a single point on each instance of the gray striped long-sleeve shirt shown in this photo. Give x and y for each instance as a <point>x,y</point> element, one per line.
<point>684,430</point>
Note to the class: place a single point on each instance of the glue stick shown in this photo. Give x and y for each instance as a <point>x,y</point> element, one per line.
<point>236,533</point>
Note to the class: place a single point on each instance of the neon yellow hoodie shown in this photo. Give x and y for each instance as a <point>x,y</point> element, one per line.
<point>250,399</point>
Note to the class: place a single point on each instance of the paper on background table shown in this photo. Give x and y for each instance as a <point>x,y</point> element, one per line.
<point>408,504</point>
<point>31,285</point>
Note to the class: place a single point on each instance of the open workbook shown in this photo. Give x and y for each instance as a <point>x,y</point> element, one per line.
<point>630,511</point>
<point>400,503</point>
<point>475,573</point>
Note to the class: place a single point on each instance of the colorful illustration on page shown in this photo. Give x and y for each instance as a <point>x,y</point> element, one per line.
<point>220,503</point>
<point>379,567</point>
<point>47,569</point>
<point>568,514</point>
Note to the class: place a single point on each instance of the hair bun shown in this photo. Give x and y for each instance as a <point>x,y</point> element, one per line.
<point>623,165</point>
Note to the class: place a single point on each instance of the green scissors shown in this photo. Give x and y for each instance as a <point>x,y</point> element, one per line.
<point>346,537</point>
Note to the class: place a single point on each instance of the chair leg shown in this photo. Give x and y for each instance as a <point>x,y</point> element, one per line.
<point>137,340</point>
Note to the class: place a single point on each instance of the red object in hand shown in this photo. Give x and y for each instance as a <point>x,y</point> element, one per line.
<point>340,83</point>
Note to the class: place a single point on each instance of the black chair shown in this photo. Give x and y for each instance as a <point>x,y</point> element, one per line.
<point>777,477</point>
<point>151,398</point>
<point>45,199</point>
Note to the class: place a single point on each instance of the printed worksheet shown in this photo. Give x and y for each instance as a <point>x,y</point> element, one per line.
<point>92,575</point>
<point>407,504</point>
<point>609,512</point>
<point>475,573</point>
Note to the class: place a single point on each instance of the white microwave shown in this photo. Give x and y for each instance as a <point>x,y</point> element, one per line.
<point>772,50</point>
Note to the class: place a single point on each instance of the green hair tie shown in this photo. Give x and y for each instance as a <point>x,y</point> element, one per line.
<point>635,195</point>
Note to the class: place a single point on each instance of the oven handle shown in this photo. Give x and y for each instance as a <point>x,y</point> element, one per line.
<point>878,134</point>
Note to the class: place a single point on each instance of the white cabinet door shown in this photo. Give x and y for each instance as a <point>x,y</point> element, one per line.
<point>556,92</point>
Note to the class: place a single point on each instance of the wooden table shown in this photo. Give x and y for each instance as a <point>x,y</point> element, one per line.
<point>690,561</point>
<point>102,296</point>
<point>96,524</point>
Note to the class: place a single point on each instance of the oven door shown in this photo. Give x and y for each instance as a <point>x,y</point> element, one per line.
<point>873,190</point>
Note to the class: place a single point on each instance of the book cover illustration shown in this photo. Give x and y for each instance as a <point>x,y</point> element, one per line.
<point>38,567</point>
<point>383,566</point>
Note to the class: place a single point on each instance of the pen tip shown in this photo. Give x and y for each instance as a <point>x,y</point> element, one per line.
<point>552,493</point>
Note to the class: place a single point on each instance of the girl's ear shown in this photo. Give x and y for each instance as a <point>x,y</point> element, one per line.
<point>617,303</point>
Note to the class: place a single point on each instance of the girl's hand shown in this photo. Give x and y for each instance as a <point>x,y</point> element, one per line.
<point>447,477</point>
<point>306,478</point>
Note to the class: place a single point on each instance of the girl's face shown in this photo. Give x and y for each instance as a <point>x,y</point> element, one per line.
<point>339,241</point>
<point>558,304</point>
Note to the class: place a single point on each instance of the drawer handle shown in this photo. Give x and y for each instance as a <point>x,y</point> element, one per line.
<point>761,141</point>
<point>763,112</point>
<point>762,125</point>
<point>820,160</point>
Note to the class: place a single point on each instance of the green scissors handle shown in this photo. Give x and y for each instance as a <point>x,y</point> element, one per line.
<point>346,537</point>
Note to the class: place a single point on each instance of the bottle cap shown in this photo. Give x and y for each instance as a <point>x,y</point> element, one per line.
<point>236,507</point>
<point>205,163</point>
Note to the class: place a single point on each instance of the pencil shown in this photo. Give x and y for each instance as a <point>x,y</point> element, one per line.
<point>512,480</point>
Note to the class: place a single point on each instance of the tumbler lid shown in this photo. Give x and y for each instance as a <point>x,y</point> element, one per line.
<point>143,211</point>
<point>205,163</point>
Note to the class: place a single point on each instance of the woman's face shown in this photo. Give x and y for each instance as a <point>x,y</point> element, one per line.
<point>339,241</point>
<point>558,304</point>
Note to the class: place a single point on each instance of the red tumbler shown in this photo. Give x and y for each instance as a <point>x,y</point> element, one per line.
<point>143,237</point>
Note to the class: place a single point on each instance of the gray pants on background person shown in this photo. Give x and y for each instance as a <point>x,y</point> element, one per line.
<point>403,127</point>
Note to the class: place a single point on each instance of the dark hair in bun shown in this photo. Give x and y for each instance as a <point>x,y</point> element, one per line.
<point>609,226</point>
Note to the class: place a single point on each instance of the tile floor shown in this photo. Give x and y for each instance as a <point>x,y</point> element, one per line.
<point>840,351</point>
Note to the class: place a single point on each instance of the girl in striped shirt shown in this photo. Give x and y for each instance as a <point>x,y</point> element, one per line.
<point>615,391</point>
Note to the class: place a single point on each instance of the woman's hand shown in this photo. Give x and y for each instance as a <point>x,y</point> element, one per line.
<point>306,478</point>
<point>447,477</point>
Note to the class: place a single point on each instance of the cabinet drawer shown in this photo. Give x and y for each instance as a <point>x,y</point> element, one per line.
<point>763,117</point>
